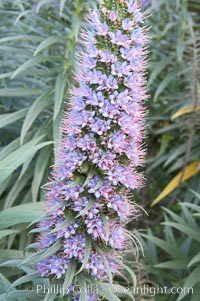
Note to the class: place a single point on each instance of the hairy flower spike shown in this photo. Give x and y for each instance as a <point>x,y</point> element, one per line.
<point>101,149</point>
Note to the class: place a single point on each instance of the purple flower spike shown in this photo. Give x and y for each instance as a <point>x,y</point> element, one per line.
<point>88,199</point>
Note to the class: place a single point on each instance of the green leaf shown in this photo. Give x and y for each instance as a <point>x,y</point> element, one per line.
<point>37,107</point>
<point>62,4</point>
<point>23,295</point>
<point>30,63</point>
<point>106,225</point>
<point>67,222</point>
<point>18,157</point>
<point>4,233</point>
<point>40,167</point>
<point>86,255</point>
<point>159,67</point>
<point>176,264</point>
<point>41,255</point>
<point>71,271</point>
<point>16,92</point>
<point>50,251</point>
<point>50,297</point>
<point>115,289</point>
<point>105,290</point>
<point>46,43</point>
<point>9,148</point>
<point>83,285</point>
<point>194,260</point>
<point>18,186</point>
<point>24,279</point>
<point>20,214</point>
<point>7,255</point>
<point>42,3</point>
<point>23,14</point>
<point>168,248</point>
<point>163,85</point>
<point>90,176</point>
<point>185,229</point>
<point>60,86</point>
<point>9,118</point>
<point>57,134</point>
<point>5,75</point>
<point>15,38</point>
<point>4,284</point>
<point>89,205</point>
<point>191,281</point>
<point>131,273</point>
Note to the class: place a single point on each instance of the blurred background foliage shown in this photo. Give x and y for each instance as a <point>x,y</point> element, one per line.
<point>37,44</point>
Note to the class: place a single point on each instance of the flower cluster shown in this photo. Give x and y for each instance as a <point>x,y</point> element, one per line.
<point>88,198</point>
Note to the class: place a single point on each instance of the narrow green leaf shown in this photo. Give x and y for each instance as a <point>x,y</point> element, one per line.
<point>5,75</point>
<point>83,285</point>
<point>89,205</point>
<point>16,92</point>
<point>15,38</point>
<point>46,43</point>
<point>194,233</point>
<point>194,260</point>
<point>20,214</point>
<point>4,233</point>
<point>170,249</point>
<point>23,14</point>
<point>62,5</point>
<point>50,297</point>
<point>3,297</point>
<point>131,273</point>
<point>40,167</point>
<point>18,186</point>
<point>7,255</point>
<point>105,290</point>
<point>90,176</point>
<point>24,279</point>
<point>190,282</point>
<point>57,134</point>
<point>18,157</point>
<point>157,68</point>
<point>9,118</point>
<point>12,146</point>
<point>4,284</point>
<point>42,3</point>
<point>50,251</point>
<point>87,254</point>
<point>41,255</point>
<point>30,63</point>
<point>70,274</point>
<point>163,85</point>
<point>176,264</point>
<point>115,289</point>
<point>60,86</point>
<point>26,166</point>
<point>66,223</point>
<point>23,295</point>
<point>106,225</point>
<point>37,107</point>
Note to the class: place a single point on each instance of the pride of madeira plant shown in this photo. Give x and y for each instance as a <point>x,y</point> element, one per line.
<point>88,201</point>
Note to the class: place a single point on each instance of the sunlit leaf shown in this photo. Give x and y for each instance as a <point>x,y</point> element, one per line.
<point>184,111</point>
<point>190,171</point>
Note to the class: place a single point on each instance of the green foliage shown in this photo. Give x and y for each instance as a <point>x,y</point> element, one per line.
<point>173,260</point>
